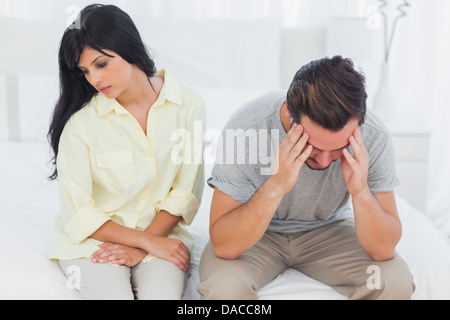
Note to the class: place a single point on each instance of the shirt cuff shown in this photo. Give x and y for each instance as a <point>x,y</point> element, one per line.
<point>148,258</point>
<point>84,223</point>
<point>181,203</point>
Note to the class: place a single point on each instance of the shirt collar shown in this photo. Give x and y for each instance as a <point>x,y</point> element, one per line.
<point>170,91</point>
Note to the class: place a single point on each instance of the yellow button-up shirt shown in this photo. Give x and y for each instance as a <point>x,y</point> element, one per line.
<point>109,169</point>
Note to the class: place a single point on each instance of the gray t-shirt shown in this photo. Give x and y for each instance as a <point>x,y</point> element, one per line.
<point>246,154</point>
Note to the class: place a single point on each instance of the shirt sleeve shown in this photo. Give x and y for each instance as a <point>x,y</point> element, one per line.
<point>382,175</point>
<point>186,192</point>
<point>231,180</point>
<point>80,217</point>
<point>229,175</point>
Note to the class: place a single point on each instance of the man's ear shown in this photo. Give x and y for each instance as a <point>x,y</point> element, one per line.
<point>288,114</point>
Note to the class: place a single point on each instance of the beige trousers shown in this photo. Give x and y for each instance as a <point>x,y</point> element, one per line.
<point>157,279</point>
<point>330,254</point>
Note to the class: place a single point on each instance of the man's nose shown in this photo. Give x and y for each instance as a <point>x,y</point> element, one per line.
<point>324,159</point>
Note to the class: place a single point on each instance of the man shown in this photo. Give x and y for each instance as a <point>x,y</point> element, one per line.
<point>327,210</point>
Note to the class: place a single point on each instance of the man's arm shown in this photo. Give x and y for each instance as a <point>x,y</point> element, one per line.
<point>236,227</point>
<point>377,224</point>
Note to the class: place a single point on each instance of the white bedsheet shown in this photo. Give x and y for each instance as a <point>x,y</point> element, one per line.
<point>29,205</point>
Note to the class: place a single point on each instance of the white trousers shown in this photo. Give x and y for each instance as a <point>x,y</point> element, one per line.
<point>157,279</point>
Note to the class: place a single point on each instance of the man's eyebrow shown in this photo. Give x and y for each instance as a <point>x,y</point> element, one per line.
<point>331,150</point>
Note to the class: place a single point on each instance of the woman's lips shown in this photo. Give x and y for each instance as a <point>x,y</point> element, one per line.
<point>105,89</point>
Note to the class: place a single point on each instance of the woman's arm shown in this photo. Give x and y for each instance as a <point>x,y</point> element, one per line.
<point>123,254</point>
<point>172,250</point>
<point>163,224</point>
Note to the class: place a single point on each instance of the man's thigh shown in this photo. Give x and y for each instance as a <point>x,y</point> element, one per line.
<point>240,279</point>
<point>333,255</point>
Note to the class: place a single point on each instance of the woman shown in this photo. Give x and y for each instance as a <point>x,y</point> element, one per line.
<point>123,197</point>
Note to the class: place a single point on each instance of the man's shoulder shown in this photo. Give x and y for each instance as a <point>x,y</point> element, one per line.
<point>256,111</point>
<point>374,131</point>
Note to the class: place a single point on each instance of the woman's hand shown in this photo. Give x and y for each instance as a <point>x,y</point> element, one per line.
<point>172,250</point>
<point>118,254</point>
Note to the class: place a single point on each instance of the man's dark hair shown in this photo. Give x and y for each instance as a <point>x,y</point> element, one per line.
<point>330,92</point>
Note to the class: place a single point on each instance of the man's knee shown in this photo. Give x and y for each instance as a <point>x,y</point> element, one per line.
<point>226,287</point>
<point>389,280</point>
<point>224,279</point>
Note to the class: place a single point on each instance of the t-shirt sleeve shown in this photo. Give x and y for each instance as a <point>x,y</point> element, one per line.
<point>233,181</point>
<point>231,174</point>
<point>382,175</point>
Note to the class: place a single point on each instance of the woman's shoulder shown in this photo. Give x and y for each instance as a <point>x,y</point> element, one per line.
<point>190,96</point>
<point>81,117</point>
<point>89,110</point>
<point>192,100</point>
<point>176,89</point>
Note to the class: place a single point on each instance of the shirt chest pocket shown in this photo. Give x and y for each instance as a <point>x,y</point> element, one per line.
<point>116,169</point>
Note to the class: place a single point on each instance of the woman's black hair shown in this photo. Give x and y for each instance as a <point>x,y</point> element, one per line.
<point>100,27</point>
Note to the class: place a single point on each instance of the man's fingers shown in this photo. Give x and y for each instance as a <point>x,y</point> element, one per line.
<point>350,160</point>
<point>299,147</point>
<point>357,144</point>
<point>358,136</point>
<point>305,155</point>
<point>294,134</point>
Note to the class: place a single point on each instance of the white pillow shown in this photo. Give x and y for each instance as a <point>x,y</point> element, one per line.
<point>37,99</point>
<point>216,53</point>
<point>3,110</point>
<point>220,105</point>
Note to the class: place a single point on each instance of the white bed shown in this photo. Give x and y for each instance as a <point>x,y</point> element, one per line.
<point>28,207</point>
<point>29,202</point>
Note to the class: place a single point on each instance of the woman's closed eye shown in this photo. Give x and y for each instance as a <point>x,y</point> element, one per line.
<point>102,65</point>
<point>98,66</point>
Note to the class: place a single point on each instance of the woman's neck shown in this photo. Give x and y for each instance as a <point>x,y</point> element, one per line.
<point>140,93</point>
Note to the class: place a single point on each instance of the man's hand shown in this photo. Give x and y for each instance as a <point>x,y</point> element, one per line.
<point>291,156</point>
<point>355,169</point>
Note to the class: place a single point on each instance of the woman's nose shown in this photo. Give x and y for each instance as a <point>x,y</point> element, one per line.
<point>95,78</point>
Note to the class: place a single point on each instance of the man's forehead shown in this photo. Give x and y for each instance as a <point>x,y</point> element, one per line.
<point>324,140</point>
<point>339,149</point>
